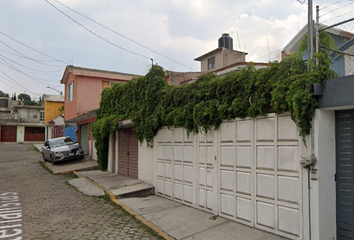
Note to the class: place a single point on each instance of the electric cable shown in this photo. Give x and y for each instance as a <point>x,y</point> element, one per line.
<point>111,30</point>
<point>17,83</point>
<point>26,57</point>
<point>33,49</point>
<point>95,34</point>
<point>16,69</point>
<point>41,71</point>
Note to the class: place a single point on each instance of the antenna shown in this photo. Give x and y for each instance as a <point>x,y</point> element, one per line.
<point>239,44</point>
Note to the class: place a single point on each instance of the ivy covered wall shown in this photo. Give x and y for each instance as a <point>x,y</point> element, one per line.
<point>150,103</point>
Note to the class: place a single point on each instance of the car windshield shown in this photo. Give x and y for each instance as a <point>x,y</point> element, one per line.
<point>60,142</point>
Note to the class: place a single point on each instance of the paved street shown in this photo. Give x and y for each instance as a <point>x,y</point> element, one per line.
<point>35,204</point>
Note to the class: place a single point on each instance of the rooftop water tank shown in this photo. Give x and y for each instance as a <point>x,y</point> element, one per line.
<point>226,41</point>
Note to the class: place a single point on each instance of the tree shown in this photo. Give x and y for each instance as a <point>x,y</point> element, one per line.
<point>26,99</point>
<point>2,94</point>
<point>14,97</point>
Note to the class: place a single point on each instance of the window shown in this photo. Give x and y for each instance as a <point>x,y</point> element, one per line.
<point>70,96</point>
<point>41,116</point>
<point>105,84</point>
<point>211,63</point>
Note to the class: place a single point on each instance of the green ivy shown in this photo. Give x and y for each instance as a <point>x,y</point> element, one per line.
<point>150,103</point>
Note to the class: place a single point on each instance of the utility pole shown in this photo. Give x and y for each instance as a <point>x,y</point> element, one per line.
<point>317,33</point>
<point>309,34</point>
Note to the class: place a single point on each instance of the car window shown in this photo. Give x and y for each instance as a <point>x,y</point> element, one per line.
<point>54,143</point>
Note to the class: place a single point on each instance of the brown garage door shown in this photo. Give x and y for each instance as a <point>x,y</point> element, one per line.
<point>33,134</point>
<point>8,134</point>
<point>128,153</point>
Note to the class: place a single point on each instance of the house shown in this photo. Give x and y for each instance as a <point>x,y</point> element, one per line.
<point>341,60</point>
<point>83,88</point>
<point>258,171</point>
<point>21,123</point>
<point>53,121</point>
<point>222,60</point>
<point>222,56</point>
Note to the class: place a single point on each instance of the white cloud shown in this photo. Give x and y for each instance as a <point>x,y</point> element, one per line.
<point>179,29</point>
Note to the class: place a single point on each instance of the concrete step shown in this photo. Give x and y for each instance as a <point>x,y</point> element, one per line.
<point>136,190</point>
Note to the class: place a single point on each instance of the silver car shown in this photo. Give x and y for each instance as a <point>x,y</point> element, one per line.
<point>61,149</point>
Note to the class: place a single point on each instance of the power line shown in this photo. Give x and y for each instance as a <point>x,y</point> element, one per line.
<point>95,34</point>
<point>337,9</point>
<point>338,16</point>
<point>111,30</point>
<point>330,5</point>
<point>26,57</point>
<point>17,82</point>
<point>16,69</point>
<point>33,49</point>
<point>12,86</point>
<point>42,71</point>
<point>267,54</point>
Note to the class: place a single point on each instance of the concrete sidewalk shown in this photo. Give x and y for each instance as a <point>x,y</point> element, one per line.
<point>69,167</point>
<point>170,219</point>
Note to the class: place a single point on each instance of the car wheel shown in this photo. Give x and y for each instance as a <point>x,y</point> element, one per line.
<point>44,159</point>
<point>52,159</point>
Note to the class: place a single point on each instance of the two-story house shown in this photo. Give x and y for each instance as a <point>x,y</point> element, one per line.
<point>83,88</point>
<point>21,123</point>
<point>341,59</point>
<point>53,119</point>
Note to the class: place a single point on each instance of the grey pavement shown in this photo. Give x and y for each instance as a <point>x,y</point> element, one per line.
<point>176,220</point>
<point>50,209</point>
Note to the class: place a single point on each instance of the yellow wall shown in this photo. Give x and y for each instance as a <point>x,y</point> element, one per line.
<point>51,110</point>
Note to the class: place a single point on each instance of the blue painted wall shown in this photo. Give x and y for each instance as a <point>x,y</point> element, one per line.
<point>70,131</point>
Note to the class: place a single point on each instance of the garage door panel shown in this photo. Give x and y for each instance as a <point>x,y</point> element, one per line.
<point>244,156</point>
<point>188,194</point>
<point>34,134</point>
<point>8,134</point>
<point>244,182</point>
<point>266,214</point>
<point>247,171</point>
<point>227,180</point>
<point>289,220</point>
<point>265,157</point>
<point>227,156</point>
<point>289,189</point>
<point>244,208</point>
<point>128,154</point>
<point>266,186</point>
<point>227,204</point>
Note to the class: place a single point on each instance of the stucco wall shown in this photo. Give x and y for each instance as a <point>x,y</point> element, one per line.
<point>20,133</point>
<point>323,191</point>
<point>51,110</point>
<point>146,163</point>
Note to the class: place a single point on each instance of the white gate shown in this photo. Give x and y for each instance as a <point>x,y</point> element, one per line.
<point>247,171</point>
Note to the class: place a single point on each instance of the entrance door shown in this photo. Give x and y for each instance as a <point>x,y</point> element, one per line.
<point>8,134</point>
<point>83,137</point>
<point>128,153</point>
<point>344,174</point>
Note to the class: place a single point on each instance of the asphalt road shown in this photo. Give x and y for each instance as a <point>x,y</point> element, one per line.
<point>34,204</point>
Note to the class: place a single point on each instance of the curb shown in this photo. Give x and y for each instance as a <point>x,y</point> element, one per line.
<point>158,230</point>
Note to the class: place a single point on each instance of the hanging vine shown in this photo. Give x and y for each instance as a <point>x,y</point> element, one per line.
<point>150,103</point>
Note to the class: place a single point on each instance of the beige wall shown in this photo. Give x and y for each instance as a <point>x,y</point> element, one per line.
<point>223,58</point>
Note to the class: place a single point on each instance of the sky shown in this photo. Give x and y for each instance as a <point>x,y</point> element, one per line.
<point>38,40</point>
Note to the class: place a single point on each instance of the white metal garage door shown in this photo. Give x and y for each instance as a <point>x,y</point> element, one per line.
<point>247,171</point>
